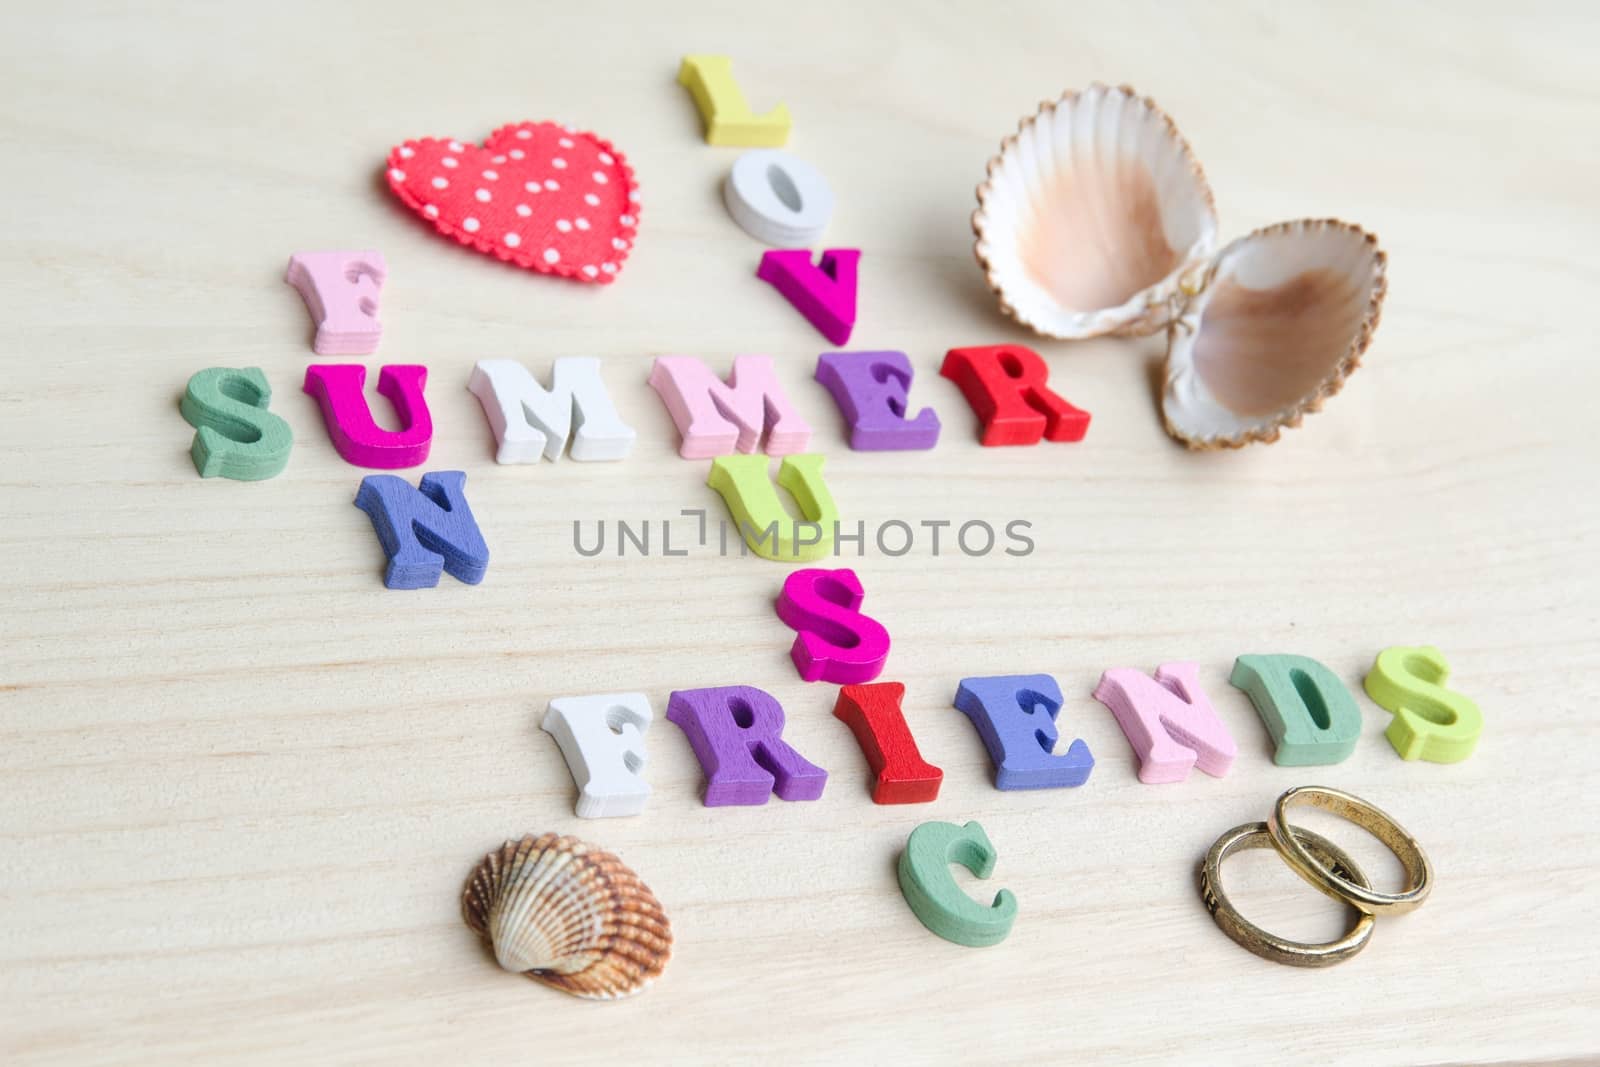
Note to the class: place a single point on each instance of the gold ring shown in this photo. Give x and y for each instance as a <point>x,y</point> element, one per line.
<point>1257,940</point>
<point>1357,893</point>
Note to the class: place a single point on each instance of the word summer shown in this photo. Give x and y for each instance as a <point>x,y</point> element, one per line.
<point>729,421</point>
<point>893,537</point>
<point>736,731</point>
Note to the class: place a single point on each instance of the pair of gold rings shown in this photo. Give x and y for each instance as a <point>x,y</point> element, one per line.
<point>1323,864</point>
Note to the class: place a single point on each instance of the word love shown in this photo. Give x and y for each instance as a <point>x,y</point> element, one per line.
<point>736,732</point>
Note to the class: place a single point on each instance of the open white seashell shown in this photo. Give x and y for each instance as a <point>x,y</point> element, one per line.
<point>1278,323</point>
<point>569,915</point>
<point>1092,214</point>
<point>1095,219</point>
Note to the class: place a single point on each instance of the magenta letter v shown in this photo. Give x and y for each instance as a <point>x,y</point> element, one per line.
<point>824,294</point>
<point>337,387</point>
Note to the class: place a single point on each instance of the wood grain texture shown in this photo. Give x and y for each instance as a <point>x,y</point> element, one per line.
<point>241,782</point>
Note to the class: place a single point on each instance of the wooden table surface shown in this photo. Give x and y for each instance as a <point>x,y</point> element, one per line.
<point>241,782</point>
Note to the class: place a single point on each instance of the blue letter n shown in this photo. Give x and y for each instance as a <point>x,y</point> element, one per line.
<point>424,530</point>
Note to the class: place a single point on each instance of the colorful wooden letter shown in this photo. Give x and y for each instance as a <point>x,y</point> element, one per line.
<point>1310,714</point>
<point>900,774</point>
<point>529,421</point>
<point>824,293</point>
<point>727,118</point>
<point>716,418</point>
<point>934,896</point>
<point>338,388</point>
<point>1168,721</point>
<point>1430,721</point>
<point>602,740</point>
<point>758,513</point>
<point>736,732</point>
<point>235,435</point>
<point>835,642</point>
<point>341,292</point>
<point>425,530</point>
<point>871,389</point>
<point>1005,385</point>
<point>778,199</point>
<point>1015,714</point>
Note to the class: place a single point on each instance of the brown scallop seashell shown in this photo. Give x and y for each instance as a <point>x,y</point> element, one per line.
<point>569,915</point>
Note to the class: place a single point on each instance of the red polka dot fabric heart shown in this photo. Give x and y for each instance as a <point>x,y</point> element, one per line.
<point>537,194</point>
